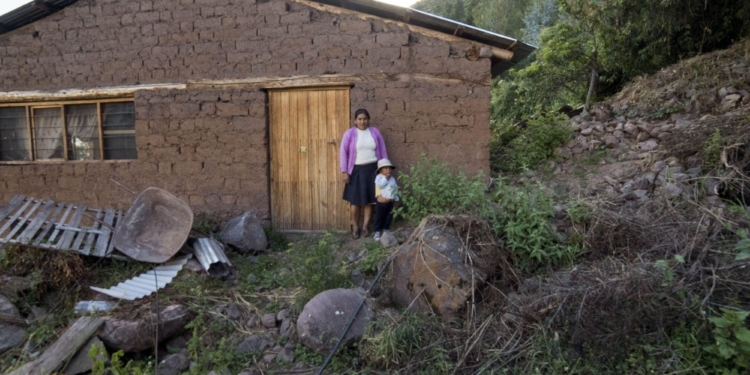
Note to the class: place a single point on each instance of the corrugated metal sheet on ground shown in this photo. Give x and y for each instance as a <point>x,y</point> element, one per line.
<point>145,284</point>
<point>58,226</point>
<point>211,256</point>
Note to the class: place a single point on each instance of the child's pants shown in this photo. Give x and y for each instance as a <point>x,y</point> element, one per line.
<point>383,216</point>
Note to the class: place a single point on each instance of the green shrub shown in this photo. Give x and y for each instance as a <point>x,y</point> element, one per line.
<point>521,220</point>
<point>515,149</point>
<point>731,349</point>
<point>429,187</point>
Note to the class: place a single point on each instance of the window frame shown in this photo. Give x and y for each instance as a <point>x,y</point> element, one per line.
<point>29,110</point>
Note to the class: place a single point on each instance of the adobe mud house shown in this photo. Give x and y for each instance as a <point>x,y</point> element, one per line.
<point>233,104</point>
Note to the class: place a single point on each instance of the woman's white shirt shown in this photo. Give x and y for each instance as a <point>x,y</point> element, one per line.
<point>365,148</point>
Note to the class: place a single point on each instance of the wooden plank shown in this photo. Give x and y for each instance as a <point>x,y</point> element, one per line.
<point>67,236</point>
<point>92,235</point>
<point>12,218</point>
<point>48,225</point>
<point>68,95</point>
<point>60,222</point>
<point>36,223</point>
<point>101,243</point>
<point>63,349</point>
<point>22,221</point>
<point>11,206</point>
<point>111,247</point>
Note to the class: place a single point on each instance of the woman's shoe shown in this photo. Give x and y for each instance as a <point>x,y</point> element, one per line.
<point>355,233</point>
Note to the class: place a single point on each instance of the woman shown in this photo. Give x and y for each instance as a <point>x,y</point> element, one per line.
<point>361,148</point>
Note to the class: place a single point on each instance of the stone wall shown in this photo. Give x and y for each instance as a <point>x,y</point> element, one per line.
<point>209,146</point>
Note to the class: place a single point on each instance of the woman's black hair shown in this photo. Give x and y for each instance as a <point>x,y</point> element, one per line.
<point>361,111</point>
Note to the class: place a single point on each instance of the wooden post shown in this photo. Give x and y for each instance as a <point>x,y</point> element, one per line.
<point>63,349</point>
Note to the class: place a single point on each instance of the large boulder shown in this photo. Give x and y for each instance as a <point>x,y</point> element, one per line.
<point>431,272</point>
<point>244,233</point>
<point>137,335</point>
<point>326,315</point>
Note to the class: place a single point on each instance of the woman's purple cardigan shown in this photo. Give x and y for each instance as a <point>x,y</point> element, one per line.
<point>349,148</point>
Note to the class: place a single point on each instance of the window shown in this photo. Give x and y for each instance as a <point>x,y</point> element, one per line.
<point>87,130</point>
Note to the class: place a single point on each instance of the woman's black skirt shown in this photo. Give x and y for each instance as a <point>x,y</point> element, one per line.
<point>360,191</point>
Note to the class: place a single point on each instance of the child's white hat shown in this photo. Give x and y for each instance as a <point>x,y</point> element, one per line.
<point>384,163</point>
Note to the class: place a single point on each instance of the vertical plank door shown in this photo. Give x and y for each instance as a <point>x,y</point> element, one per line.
<point>306,126</point>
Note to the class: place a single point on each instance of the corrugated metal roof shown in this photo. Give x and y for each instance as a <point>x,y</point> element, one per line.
<point>31,12</point>
<point>41,8</point>
<point>145,284</point>
<point>210,254</point>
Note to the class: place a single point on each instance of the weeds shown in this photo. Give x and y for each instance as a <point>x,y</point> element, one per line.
<point>277,241</point>
<point>712,149</point>
<point>374,258</point>
<point>429,187</point>
<point>116,366</point>
<point>392,342</point>
<point>316,269</point>
<point>516,149</point>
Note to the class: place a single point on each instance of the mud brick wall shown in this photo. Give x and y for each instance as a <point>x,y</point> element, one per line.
<point>209,146</point>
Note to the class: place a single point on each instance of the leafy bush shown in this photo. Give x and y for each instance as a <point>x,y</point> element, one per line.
<point>515,148</point>
<point>521,220</point>
<point>277,241</point>
<point>429,187</point>
<point>732,342</point>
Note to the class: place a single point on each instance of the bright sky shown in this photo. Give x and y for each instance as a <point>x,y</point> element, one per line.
<point>8,5</point>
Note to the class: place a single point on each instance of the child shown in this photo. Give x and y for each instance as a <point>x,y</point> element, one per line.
<point>385,195</point>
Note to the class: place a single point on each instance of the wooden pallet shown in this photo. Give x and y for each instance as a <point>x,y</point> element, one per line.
<point>58,226</point>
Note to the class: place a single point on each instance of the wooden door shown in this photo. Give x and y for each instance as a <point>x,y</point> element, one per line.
<point>306,126</point>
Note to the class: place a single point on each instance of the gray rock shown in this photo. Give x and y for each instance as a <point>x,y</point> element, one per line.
<point>358,279</point>
<point>388,240</point>
<point>252,259</point>
<point>648,145</point>
<point>252,322</point>
<point>353,257</point>
<point>12,285</point>
<point>587,131</point>
<point>174,364</point>
<point>611,141</point>
<point>251,278</point>
<point>269,320</point>
<point>658,166</point>
<point>270,357</point>
<point>671,190</point>
<point>642,136</point>
<point>563,153</point>
<point>137,335</point>
<point>325,316</point>
<point>640,193</point>
<point>234,312</point>
<point>283,314</point>
<point>675,169</point>
<point>285,326</point>
<point>245,233</point>
<point>11,336</point>
<point>7,308</point>
<point>194,266</point>
<point>630,128</point>
<point>286,355</point>
<point>253,343</point>
<point>81,362</point>
<point>723,92</point>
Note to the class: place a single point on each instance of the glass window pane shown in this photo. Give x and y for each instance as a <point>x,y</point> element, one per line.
<point>48,136</point>
<point>120,146</point>
<point>82,132</point>
<point>118,116</point>
<point>14,135</point>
